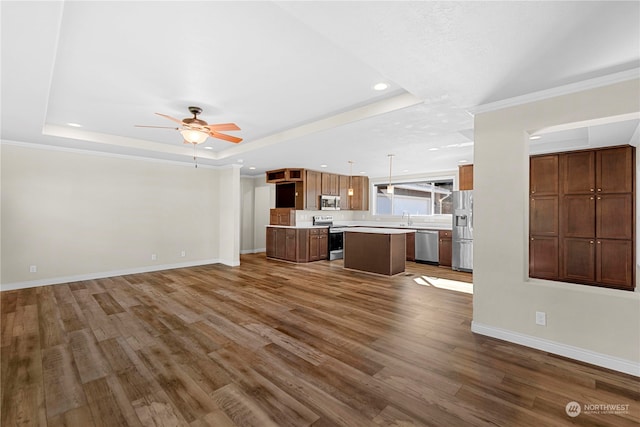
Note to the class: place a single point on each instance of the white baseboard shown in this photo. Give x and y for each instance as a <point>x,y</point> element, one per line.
<point>252,251</point>
<point>577,353</point>
<point>103,274</point>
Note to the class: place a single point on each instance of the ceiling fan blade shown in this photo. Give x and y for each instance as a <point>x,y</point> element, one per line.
<point>229,138</point>
<point>159,127</point>
<point>223,126</point>
<point>170,118</point>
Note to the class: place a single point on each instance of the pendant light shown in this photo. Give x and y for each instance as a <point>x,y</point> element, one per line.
<point>390,187</point>
<point>350,191</point>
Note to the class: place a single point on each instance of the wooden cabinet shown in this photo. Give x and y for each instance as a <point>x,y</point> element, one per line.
<point>360,199</point>
<point>285,175</point>
<point>290,195</point>
<point>445,248</point>
<point>318,244</point>
<point>282,216</point>
<point>298,244</point>
<point>593,242</point>
<point>411,246</point>
<point>543,257</point>
<point>313,190</point>
<point>345,199</point>
<point>465,175</point>
<point>330,184</point>
<point>543,175</point>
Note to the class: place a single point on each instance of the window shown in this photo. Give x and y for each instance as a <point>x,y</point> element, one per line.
<point>416,198</point>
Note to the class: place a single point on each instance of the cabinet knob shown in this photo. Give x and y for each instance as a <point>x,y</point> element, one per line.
<point>533,191</point>
<point>591,189</point>
<point>599,189</point>
<point>599,198</point>
<point>591,242</point>
<point>590,198</point>
<point>599,242</point>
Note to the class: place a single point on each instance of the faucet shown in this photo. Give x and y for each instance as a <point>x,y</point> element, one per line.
<point>408,217</point>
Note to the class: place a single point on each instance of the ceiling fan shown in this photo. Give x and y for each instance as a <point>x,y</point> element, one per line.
<point>196,131</point>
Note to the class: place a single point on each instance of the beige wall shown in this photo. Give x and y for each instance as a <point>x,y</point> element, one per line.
<point>602,323</point>
<point>76,215</point>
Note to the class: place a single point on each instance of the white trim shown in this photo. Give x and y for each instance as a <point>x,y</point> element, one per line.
<point>102,275</point>
<point>577,353</point>
<point>557,91</point>
<point>89,152</point>
<point>253,251</point>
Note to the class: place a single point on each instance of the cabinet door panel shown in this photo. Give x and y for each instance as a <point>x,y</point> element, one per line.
<point>615,263</point>
<point>543,215</point>
<point>543,174</point>
<point>290,245</point>
<point>543,257</point>
<point>323,246</point>
<point>271,242</point>
<point>445,252</point>
<point>614,170</point>
<point>313,188</point>
<point>614,216</point>
<point>578,171</point>
<point>579,216</point>
<point>281,249</point>
<point>578,260</point>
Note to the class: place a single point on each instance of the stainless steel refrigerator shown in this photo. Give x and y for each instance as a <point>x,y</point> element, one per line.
<point>462,231</point>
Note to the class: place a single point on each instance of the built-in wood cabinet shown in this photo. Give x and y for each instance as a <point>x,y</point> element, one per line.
<point>411,246</point>
<point>465,176</point>
<point>583,232</point>
<point>282,175</point>
<point>360,199</point>
<point>301,189</point>
<point>445,248</point>
<point>330,184</point>
<point>297,244</point>
<point>318,244</point>
<point>282,216</point>
<point>313,190</point>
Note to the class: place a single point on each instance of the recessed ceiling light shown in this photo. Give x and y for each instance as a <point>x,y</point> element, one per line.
<point>406,170</point>
<point>208,148</point>
<point>323,166</point>
<point>533,137</point>
<point>252,167</point>
<point>363,173</point>
<point>463,161</point>
<point>381,86</point>
<point>433,149</point>
<point>75,125</point>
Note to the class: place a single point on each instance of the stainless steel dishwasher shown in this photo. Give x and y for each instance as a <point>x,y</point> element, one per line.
<point>427,246</point>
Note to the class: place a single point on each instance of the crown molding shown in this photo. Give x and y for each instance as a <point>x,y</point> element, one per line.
<point>557,91</point>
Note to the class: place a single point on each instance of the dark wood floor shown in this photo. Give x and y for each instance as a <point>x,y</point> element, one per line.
<point>276,344</point>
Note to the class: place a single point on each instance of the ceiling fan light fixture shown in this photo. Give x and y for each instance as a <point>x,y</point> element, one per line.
<point>194,136</point>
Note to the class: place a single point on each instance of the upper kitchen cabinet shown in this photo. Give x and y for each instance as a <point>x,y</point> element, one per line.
<point>330,184</point>
<point>345,199</point>
<point>543,175</point>
<point>285,175</point>
<point>578,171</point>
<point>360,199</point>
<point>465,174</point>
<point>313,190</point>
<point>614,170</point>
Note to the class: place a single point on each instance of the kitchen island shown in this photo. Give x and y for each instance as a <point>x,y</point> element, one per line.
<point>375,250</point>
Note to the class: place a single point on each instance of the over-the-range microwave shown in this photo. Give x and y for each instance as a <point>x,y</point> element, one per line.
<point>329,203</point>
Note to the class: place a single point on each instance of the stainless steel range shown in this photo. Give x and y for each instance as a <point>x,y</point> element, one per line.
<point>336,235</point>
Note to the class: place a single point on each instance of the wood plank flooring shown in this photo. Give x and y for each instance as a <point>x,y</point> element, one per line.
<point>271,343</point>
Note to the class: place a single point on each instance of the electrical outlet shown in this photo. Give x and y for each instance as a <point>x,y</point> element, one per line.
<point>33,269</point>
<point>183,253</point>
<point>154,257</point>
<point>541,318</point>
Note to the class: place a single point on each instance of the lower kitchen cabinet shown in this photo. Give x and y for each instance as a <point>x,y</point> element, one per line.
<point>297,244</point>
<point>445,248</point>
<point>318,244</point>
<point>411,246</point>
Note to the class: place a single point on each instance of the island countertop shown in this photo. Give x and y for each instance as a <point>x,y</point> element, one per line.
<point>373,230</point>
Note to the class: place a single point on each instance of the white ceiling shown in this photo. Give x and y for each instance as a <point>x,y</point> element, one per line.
<point>297,77</point>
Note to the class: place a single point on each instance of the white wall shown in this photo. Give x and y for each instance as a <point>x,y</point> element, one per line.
<point>79,215</point>
<point>597,325</point>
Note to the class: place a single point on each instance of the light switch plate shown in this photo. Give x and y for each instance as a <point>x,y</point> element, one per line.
<point>541,318</point>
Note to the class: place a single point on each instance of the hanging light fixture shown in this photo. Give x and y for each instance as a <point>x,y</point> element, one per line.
<point>390,187</point>
<point>350,191</point>
<point>194,136</point>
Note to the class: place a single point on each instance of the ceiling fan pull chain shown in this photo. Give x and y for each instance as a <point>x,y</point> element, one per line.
<point>195,159</point>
